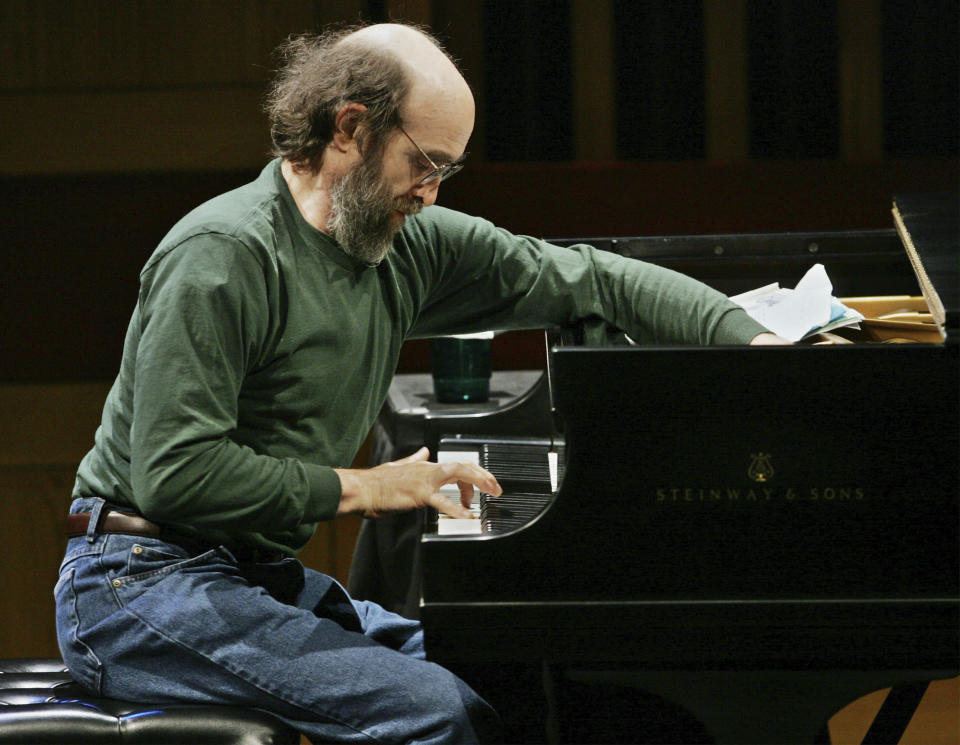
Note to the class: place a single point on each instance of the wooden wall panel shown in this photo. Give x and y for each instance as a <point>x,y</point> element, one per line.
<point>220,127</point>
<point>48,426</point>
<point>459,27</point>
<point>103,44</point>
<point>860,71</point>
<point>44,431</point>
<point>34,503</point>
<point>103,86</point>
<point>726,105</point>
<point>594,105</point>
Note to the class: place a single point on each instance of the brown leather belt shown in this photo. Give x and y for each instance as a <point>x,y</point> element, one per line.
<point>112,521</point>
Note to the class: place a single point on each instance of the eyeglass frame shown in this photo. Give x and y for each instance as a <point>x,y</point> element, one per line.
<point>439,174</point>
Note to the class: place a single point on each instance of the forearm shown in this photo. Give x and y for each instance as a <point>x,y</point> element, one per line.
<point>217,484</point>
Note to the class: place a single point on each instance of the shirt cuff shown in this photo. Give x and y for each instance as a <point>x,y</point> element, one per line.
<point>325,492</point>
<point>736,327</point>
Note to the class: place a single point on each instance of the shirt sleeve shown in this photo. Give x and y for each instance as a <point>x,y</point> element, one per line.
<point>203,316</point>
<point>484,277</point>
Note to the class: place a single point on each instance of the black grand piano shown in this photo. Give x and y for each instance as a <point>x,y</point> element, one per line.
<point>760,535</point>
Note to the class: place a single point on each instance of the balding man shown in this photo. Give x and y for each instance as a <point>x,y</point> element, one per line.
<point>262,345</point>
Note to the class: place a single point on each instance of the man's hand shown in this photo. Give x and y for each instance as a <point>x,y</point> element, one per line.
<point>768,338</point>
<point>409,483</point>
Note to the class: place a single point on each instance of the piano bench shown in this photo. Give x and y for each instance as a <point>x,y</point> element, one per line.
<point>40,703</point>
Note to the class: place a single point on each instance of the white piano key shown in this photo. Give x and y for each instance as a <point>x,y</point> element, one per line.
<point>552,464</point>
<point>456,456</point>
<point>447,525</point>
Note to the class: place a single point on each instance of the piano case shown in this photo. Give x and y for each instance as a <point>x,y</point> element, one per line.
<point>782,520</point>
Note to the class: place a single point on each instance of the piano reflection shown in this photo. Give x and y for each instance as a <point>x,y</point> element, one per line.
<point>759,534</point>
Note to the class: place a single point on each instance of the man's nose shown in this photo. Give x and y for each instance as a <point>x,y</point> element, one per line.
<point>427,193</point>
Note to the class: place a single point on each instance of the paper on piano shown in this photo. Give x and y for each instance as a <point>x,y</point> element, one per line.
<point>795,314</point>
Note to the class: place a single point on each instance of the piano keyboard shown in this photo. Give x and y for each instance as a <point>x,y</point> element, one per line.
<point>529,470</point>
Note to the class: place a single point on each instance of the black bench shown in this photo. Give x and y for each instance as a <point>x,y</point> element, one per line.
<point>40,703</point>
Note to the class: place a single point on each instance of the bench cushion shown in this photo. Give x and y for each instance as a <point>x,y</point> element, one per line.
<point>40,703</point>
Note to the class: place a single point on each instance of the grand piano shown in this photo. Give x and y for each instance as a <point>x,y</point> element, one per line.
<point>758,534</point>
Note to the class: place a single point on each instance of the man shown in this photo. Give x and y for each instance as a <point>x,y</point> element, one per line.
<point>264,339</point>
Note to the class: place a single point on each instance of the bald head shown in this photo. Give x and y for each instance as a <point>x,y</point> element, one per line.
<point>427,64</point>
<point>437,89</point>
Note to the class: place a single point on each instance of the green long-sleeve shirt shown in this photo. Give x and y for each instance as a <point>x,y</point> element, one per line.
<point>259,353</point>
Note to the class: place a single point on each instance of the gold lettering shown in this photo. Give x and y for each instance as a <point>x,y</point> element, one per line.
<point>760,494</point>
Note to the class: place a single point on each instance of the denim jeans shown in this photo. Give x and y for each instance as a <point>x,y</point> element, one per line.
<point>142,619</point>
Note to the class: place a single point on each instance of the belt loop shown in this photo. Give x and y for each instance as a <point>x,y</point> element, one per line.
<point>94,520</point>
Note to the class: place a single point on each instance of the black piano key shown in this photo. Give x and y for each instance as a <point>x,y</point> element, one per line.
<point>510,511</point>
<point>521,467</point>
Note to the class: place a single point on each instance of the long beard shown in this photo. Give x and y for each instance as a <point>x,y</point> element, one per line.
<point>361,212</point>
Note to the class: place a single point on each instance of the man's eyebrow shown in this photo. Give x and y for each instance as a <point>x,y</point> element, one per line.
<point>447,159</point>
<point>443,158</point>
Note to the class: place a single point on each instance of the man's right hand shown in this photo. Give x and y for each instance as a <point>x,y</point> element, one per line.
<point>409,483</point>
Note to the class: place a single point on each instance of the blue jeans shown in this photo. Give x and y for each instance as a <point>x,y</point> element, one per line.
<point>142,619</point>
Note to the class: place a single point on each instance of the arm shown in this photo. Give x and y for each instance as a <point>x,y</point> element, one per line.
<point>478,276</point>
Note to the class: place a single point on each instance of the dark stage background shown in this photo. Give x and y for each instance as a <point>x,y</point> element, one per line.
<point>595,117</point>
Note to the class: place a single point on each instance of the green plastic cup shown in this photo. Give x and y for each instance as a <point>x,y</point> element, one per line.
<point>461,368</point>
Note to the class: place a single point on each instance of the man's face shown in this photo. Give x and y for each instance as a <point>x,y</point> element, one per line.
<point>370,201</point>
<point>364,205</point>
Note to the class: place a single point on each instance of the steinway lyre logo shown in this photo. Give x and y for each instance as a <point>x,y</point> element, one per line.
<point>760,470</point>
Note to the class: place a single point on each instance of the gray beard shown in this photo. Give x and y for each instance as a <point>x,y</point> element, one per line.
<point>361,207</point>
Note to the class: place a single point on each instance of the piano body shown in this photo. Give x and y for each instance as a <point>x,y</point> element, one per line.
<point>760,534</point>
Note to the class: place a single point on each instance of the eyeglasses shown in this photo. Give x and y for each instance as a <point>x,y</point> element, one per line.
<point>439,173</point>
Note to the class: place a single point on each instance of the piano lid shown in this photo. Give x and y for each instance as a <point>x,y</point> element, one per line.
<point>929,225</point>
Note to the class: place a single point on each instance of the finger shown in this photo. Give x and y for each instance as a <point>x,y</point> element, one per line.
<point>466,493</point>
<point>421,455</point>
<point>472,474</point>
<point>447,506</point>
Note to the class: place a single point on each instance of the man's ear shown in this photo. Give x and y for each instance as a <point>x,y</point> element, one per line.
<point>345,125</point>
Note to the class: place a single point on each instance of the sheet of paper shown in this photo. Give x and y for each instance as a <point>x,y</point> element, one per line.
<point>794,314</point>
